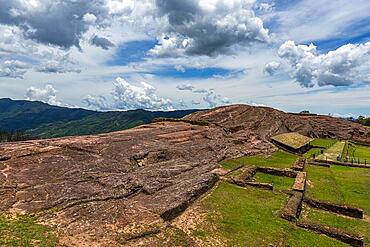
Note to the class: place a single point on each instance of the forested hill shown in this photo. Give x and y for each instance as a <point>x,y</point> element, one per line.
<point>42,120</point>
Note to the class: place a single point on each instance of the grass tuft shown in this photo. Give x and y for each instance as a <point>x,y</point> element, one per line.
<point>23,230</point>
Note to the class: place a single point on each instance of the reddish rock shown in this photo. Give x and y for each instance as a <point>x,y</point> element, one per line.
<point>300,182</point>
<point>97,185</point>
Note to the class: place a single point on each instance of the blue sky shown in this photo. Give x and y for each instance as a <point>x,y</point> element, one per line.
<point>193,54</point>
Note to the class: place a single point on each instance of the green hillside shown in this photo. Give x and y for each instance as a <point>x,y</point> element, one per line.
<point>102,122</point>
<point>41,120</point>
<point>21,115</point>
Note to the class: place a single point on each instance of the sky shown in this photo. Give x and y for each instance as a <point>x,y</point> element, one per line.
<point>175,54</point>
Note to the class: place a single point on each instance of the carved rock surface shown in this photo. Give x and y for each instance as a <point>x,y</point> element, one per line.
<point>92,187</point>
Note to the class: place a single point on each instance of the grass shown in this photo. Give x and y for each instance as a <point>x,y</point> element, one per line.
<point>294,140</point>
<point>322,142</point>
<point>322,185</point>
<point>248,217</point>
<point>230,164</point>
<point>358,226</point>
<point>312,151</point>
<point>279,159</point>
<point>340,184</point>
<point>279,182</point>
<point>359,152</point>
<point>24,231</point>
<point>332,152</point>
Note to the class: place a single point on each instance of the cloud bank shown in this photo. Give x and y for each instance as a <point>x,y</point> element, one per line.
<point>13,69</point>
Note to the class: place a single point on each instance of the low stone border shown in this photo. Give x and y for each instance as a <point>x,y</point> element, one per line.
<point>336,208</point>
<point>286,172</point>
<point>241,183</point>
<point>300,182</point>
<point>298,164</point>
<point>265,186</point>
<point>220,171</point>
<point>362,143</point>
<point>338,163</point>
<point>246,173</point>
<point>318,164</point>
<point>293,207</point>
<point>339,234</point>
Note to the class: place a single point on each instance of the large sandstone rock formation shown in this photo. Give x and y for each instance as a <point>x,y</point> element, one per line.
<point>92,188</point>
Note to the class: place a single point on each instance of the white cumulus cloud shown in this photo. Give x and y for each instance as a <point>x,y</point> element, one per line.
<point>213,99</point>
<point>144,96</point>
<point>271,67</point>
<point>89,18</point>
<point>344,66</point>
<point>46,95</point>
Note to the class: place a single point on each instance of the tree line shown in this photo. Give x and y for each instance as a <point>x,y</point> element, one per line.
<point>13,136</point>
<point>363,120</point>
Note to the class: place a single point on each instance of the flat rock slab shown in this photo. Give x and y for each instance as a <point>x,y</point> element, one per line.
<point>92,185</point>
<point>300,182</point>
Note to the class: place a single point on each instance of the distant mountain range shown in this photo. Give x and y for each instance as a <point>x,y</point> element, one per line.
<point>46,121</point>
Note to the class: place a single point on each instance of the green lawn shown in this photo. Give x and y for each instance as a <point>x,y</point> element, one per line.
<point>316,151</point>
<point>24,231</point>
<point>324,143</point>
<point>279,182</point>
<point>248,217</point>
<point>278,159</point>
<point>332,152</point>
<point>340,184</point>
<point>230,164</point>
<point>359,152</point>
<point>358,226</point>
<point>322,185</point>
